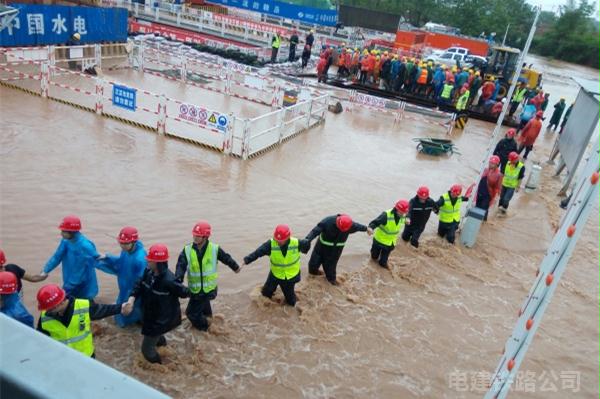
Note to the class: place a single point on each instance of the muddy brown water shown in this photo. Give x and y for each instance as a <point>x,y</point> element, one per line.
<point>442,312</point>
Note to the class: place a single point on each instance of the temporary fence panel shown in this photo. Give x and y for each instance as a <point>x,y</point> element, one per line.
<point>145,112</point>
<point>72,87</point>
<point>318,109</point>
<point>196,123</point>
<point>239,137</point>
<point>263,132</point>
<point>50,24</point>
<point>26,76</point>
<point>296,119</point>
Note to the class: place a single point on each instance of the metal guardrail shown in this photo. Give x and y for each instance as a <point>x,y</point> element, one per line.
<point>35,366</point>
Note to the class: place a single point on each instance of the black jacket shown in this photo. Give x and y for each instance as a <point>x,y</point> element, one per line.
<point>419,212</point>
<point>97,312</point>
<point>310,39</point>
<point>505,147</point>
<point>328,228</point>
<point>160,295</point>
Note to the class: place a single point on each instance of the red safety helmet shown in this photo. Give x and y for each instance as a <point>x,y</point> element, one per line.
<point>158,253</point>
<point>539,114</point>
<point>70,223</point>
<point>343,222</point>
<point>495,159</point>
<point>456,190</point>
<point>423,192</point>
<point>513,156</point>
<point>201,229</point>
<point>511,133</point>
<point>401,206</point>
<point>282,233</point>
<point>50,296</point>
<point>2,258</point>
<point>128,235</point>
<point>8,283</point>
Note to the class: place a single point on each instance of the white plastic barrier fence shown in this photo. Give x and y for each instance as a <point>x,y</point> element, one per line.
<point>399,110</point>
<point>268,130</point>
<point>192,122</point>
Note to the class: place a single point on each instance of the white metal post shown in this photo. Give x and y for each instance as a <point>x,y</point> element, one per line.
<point>246,140</point>
<point>99,95</point>
<point>98,55</point>
<point>228,136</point>
<point>280,119</point>
<point>178,18</point>
<point>157,13</point>
<point>45,79</point>
<point>162,115</point>
<point>310,107</point>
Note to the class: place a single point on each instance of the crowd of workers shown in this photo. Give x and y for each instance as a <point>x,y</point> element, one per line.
<point>149,292</point>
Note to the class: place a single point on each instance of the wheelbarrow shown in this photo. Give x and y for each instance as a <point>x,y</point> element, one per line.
<point>436,147</point>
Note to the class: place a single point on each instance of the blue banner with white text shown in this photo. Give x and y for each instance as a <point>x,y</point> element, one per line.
<point>39,25</point>
<point>297,11</point>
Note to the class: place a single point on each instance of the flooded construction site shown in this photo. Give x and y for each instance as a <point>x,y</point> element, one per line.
<point>433,326</point>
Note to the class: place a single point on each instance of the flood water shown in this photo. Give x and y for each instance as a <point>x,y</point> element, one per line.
<point>441,312</point>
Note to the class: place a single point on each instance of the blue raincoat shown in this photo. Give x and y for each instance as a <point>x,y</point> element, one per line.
<point>14,308</point>
<point>78,257</point>
<point>129,268</point>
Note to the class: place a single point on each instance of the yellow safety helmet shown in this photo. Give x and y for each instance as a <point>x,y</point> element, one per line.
<point>430,63</point>
<point>378,58</point>
<point>385,52</point>
<point>349,50</point>
<point>395,56</point>
<point>477,73</point>
<point>444,66</point>
<point>454,69</point>
<point>355,48</point>
<point>492,78</point>
<point>365,52</point>
<point>471,71</point>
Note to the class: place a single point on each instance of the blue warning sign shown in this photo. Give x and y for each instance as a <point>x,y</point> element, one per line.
<point>222,121</point>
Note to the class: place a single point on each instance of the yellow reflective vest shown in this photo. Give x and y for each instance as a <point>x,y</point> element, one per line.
<point>202,277</point>
<point>276,41</point>
<point>447,91</point>
<point>78,334</point>
<point>288,266</point>
<point>511,175</point>
<point>449,213</point>
<point>388,234</point>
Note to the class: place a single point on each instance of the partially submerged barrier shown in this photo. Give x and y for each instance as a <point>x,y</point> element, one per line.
<point>39,74</point>
<point>399,109</point>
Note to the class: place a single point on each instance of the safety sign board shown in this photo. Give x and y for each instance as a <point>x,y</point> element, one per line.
<point>204,117</point>
<point>124,97</point>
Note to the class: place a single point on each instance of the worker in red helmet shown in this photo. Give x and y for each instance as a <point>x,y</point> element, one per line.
<point>67,319</point>
<point>514,172</point>
<point>129,267</point>
<point>448,207</point>
<point>78,256</point>
<point>489,185</point>
<point>199,260</point>
<point>419,211</point>
<point>333,231</point>
<point>505,146</point>
<point>530,134</point>
<point>10,301</point>
<point>19,272</point>
<point>159,292</point>
<point>387,227</point>
<point>284,255</point>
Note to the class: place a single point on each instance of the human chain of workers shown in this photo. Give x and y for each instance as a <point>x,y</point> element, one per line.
<point>149,292</point>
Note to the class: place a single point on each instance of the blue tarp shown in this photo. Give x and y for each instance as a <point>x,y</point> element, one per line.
<point>38,25</point>
<point>311,15</point>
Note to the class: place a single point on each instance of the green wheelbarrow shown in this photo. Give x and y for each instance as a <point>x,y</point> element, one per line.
<point>436,147</point>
